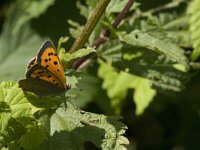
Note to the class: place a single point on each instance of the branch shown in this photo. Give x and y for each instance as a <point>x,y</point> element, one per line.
<point>90,25</point>
<point>104,36</point>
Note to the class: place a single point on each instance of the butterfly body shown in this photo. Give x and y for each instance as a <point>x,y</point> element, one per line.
<point>44,73</point>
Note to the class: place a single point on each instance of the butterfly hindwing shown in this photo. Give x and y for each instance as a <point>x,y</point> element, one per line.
<point>48,58</point>
<point>39,87</point>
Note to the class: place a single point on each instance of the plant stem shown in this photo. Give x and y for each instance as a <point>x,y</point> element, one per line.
<point>104,36</point>
<point>90,25</point>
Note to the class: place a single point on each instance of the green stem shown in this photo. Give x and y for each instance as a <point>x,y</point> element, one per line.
<point>90,25</point>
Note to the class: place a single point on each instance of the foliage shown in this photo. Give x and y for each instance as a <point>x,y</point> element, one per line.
<point>127,69</point>
<point>25,123</point>
<point>194,24</point>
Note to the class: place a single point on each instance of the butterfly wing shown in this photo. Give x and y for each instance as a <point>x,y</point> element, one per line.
<point>39,87</point>
<point>48,58</point>
<point>31,63</point>
<point>42,73</point>
<point>41,81</point>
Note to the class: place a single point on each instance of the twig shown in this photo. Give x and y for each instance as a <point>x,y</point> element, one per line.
<point>104,36</point>
<point>90,25</point>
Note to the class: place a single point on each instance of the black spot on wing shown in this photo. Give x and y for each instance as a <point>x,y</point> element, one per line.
<point>50,53</point>
<point>55,62</point>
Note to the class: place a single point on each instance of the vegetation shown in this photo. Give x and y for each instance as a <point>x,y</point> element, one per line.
<point>133,69</point>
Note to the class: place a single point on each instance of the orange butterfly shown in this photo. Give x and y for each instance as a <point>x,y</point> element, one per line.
<point>44,73</point>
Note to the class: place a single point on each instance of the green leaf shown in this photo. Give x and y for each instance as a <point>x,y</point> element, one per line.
<point>92,3</point>
<point>117,85</point>
<point>54,127</point>
<point>83,9</point>
<point>79,53</point>
<point>15,100</point>
<point>28,10</point>
<point>194,10</point>
<point>111,51</point>
<point>34,136</point>
<point>74,128</point>
<point>156,41</point>
<point>13,106</point>
<point>143,94</point>
<point>76,28</point>
<point>176,27</point>
<point>18,44</point>
<point>115,6</point>
<point>165,78</point>
<point>87,82</point>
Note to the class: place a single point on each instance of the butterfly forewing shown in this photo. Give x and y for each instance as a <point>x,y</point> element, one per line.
<point>47,57</point>
<point>31,63</point>
<point>42,73</point>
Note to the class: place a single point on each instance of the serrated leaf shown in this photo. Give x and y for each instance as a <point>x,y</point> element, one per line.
<point>92,3</point>
<point>194,10</point>
<point>143,94</point>
<point>85,84</point>
<point>79,53</point>
<point>115,6</point>
<point>176,27</point>
<point>13,105</point>
<point>14,98</point>
<point>83,9</point>
<point>65,123</point>
<point>165,78</point>
<point>111,51</point>
<point>72,128</point>
<point>117,85</point>
<point>34,136</point>
<point>75,29</point>
<point>159,44</point>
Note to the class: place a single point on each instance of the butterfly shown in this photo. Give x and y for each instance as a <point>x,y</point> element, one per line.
<point>44,74</point>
